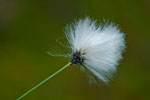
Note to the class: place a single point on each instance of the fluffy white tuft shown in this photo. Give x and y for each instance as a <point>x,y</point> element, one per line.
<point>100,46</point>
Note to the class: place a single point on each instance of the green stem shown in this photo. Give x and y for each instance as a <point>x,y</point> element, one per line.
<point>42,82</point>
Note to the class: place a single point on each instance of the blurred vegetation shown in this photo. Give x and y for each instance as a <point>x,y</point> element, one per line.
<point>29,28</point>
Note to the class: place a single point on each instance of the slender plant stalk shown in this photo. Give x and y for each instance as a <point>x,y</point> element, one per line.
<point>42,82</point>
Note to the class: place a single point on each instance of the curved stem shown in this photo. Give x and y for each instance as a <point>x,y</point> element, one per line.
<point>42,82</point>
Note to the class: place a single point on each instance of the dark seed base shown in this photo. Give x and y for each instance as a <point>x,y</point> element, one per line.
<point>76,58</point>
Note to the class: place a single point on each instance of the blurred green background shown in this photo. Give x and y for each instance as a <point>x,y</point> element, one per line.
<point>29,28</point>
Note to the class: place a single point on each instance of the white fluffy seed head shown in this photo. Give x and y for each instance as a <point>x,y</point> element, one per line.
<point>97,47</point>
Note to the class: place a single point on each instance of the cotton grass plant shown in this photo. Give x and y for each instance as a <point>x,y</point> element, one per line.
<point>96,48</point>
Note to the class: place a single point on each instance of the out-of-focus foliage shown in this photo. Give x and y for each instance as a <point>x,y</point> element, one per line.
<point>28,29</point>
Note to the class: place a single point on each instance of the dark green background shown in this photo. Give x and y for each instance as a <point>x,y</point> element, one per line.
<point>28,29</point>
